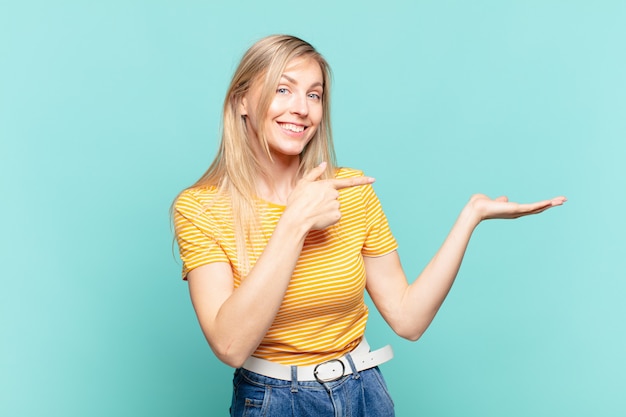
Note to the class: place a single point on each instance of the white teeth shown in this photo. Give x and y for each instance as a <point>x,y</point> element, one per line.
<point>292,127</point>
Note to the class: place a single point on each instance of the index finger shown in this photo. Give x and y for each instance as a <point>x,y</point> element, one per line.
<point>315,173</point>
<point>338,184</point>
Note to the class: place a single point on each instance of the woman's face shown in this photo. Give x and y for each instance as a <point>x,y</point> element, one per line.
<point>295,111</point>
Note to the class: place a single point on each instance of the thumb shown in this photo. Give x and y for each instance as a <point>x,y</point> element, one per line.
<point>315,173</point>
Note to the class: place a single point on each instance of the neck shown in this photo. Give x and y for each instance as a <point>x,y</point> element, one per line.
<point>281,176</point>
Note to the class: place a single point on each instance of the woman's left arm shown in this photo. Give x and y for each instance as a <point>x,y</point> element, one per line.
<point>409,309</point>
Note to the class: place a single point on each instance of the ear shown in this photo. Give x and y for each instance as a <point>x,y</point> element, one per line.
<point>243,106</point>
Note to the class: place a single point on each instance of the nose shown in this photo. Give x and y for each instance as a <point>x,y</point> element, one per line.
<point>299,105</point>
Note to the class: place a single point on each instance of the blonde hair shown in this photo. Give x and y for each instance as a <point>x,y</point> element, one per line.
<point>235,167</point>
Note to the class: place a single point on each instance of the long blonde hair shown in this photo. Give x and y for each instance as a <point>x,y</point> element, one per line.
<point>235,167</point>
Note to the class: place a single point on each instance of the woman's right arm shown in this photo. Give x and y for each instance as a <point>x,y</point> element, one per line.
<point>234,321</point>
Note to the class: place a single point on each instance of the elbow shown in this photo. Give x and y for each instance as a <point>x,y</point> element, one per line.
<point>414,329</point>
<point>232,361</point>
<point>410,336</point>
<point>231,350</point>
<point>411,333</point>
<point>230,356</point>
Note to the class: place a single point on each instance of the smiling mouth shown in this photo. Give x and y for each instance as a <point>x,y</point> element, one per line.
<point>292,128</point>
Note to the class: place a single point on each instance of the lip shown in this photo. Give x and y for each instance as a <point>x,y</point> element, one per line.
<point>291,132</point>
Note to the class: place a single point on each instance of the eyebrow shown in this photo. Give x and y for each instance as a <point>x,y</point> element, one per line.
<point>293,81</point>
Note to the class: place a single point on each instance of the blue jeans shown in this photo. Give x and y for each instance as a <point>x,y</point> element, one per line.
<point>363,394</point>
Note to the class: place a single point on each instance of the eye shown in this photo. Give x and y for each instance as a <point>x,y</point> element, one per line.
<point>315,96</point>
<point>282,90</point>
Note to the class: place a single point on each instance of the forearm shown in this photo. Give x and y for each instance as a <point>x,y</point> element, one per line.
<point>423,298</point>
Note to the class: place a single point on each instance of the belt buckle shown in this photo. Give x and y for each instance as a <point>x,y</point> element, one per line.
<point>322,381</point>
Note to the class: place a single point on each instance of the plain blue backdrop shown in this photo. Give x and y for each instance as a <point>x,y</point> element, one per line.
<point>109,109</point>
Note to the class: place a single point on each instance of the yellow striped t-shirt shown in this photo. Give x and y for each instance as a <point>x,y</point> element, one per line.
<point>323,314</point>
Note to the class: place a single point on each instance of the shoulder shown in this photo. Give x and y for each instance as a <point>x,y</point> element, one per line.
<point>360,193</point>
<point>345,172</point>
<point>365,193</point>
<point>194,200</point>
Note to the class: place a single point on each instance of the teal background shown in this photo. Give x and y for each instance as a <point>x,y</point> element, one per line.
<point>108,109</point>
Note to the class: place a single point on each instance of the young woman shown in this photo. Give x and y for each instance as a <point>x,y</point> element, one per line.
<point>279,244</point>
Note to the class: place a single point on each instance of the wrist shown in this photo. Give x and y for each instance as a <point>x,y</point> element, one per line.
<point>293,223</point>
<point>471,215</point>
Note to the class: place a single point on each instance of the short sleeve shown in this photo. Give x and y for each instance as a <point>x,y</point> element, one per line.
<point>378,240</point>
<point>196,233</point>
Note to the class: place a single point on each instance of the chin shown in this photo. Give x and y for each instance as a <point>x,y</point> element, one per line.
<point>294,150</point>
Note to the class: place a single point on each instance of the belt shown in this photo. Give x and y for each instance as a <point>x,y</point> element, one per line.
<point>328,371</point>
